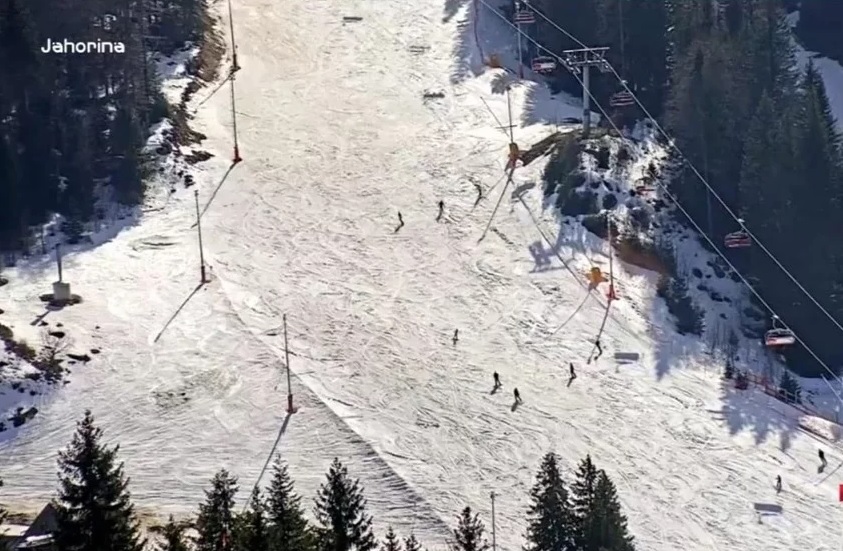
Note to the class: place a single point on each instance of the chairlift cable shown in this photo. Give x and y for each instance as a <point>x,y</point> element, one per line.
<point>691,166</point>
<point>670,195</point>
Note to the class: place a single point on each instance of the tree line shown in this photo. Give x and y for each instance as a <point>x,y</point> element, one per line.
<point>722,79</point>
<point>73,127</point>
<point>94,511</point>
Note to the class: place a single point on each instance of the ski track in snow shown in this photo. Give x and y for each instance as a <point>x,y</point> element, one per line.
<point>334,145</point>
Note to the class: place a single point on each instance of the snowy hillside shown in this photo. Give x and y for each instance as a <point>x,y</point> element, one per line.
<point>337,138</point>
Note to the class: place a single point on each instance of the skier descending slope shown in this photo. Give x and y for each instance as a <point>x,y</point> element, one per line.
<point>497,379</point>
<point>517,396</point>
<point>778,484</point>
<point>823,462</point>
<point>599,349</point>
<point>456,336</point>
<point>573,373</point>
<point>441,210</point>
<point>400,222</point>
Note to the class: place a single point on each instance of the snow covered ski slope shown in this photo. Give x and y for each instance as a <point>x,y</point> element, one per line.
<point>337,140</point>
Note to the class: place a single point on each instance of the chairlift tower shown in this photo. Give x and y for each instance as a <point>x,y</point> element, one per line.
<point>580,62</point>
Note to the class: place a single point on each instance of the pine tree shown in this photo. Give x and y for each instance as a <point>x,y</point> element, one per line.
<point>769,45</point>
<point>789,388</point>
<point>813,81</point>
<point>550,525</point>
<point>93,508</point>
<point>341,513</point>
<point>765,173</point>
<point>613,533</point>
<point>126,139</point>
<point>173,535</point>
<point>689,318</point>
<point>11,197</point>
<point>288,529</point>
<point>469,534</point>
<point>729,371</point>
<point>216,516</point>
<point>249,531</point>
<point>412,544</point>
<point>391,541</point>
<point>584,503</point>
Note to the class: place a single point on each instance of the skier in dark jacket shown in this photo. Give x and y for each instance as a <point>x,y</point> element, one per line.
<point>400,222</point>
<point>497,379</point>
<point>573,373</point>
<point>517,396</point>
<point>441,210</point>
<point>778,484</point>
<point>822,458</point>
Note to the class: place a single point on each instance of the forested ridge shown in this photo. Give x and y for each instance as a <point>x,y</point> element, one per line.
<point>723,79</point>
<point>73,126</point>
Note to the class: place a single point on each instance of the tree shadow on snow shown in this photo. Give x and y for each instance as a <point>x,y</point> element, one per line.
<point>739,410</point>
<point>41,259</point>
<point>542,258</point>
<point>752,410</point>
<point>542,106</point>
<point>468,59</point>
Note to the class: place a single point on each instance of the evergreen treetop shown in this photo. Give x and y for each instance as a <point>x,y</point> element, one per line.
<point>250,531</point>
<point>215,521</point>
<point>391,541</point>
<point>550,521</point>
<point>611,525</point>
<point>93,507</point>
<point>288,528</point>
<point>341,513</point>
<point>584,504</point>
<point>173,537</point>
<point>412,544</point>
<point>469,533</point>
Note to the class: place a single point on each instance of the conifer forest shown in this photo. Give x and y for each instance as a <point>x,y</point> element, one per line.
<point>722,78</point>
<point>72,127</point>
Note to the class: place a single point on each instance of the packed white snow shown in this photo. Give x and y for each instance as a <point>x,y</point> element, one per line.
<point>337,139</point>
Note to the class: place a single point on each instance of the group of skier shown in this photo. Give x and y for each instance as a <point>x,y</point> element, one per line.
<point>497,383</point>
<point>442,207</point>
<point>455,339</point>
<point>573,375</point>
<point>497,379</point>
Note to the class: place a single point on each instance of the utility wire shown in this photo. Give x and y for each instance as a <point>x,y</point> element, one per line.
<point>670,195</point>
